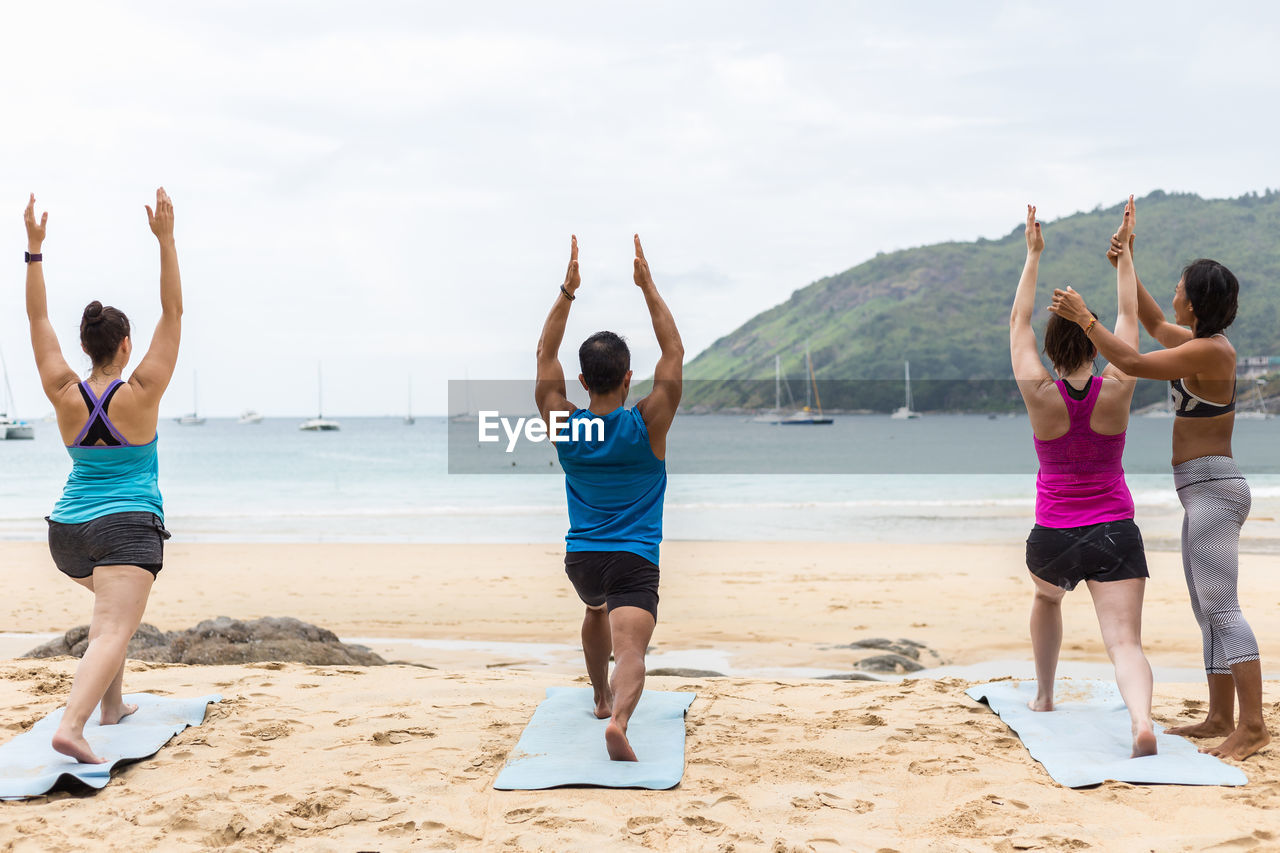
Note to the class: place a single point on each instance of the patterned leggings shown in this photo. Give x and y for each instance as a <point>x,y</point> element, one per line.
<point>1216,500</point>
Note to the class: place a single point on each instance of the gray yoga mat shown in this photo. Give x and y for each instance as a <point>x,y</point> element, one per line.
<point>564,744</point>
<point>29,766</point>
<point>1086,739</point>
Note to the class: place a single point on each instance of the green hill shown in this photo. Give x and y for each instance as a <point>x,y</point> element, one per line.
<point>946,307</point>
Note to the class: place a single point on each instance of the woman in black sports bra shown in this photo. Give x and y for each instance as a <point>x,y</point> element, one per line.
<point>1200,363</point>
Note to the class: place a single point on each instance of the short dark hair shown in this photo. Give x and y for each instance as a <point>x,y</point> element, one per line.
<point>1213,291</point>
<point>102,330</point>
<point>1067,345</point>
<point>605,360</point>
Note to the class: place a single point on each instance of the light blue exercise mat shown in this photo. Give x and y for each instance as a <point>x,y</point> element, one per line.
<point>29,766</point>
<point>1086,739</point>
<point>564,744</point>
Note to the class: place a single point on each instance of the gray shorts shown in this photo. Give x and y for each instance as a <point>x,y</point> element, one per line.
<point>118,539</point>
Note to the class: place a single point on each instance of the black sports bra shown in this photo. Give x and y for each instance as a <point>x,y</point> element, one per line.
<point>1188,405</point>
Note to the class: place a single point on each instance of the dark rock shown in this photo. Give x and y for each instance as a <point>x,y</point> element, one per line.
<point>227,641</point>
<point>52,649</point>
<point>889,663</point>
<point>848,676</point>
<point>906,648</point>
<point>678,672</point>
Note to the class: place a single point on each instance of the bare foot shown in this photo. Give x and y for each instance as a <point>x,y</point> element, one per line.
<point>615,739</point>
<point>1209,728</point>
<point>114,715</point>
<point>1041,703</point>
<point>76,747</point>
<point>604,705</point>
<point>1243,742</point>
<point>1144,742</point>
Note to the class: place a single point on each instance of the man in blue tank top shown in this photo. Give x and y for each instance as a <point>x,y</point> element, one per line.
<point>615,476</point>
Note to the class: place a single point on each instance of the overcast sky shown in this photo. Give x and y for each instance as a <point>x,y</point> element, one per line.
<point>389,188</point>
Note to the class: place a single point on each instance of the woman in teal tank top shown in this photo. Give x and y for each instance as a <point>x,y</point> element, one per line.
<point>107,530</point>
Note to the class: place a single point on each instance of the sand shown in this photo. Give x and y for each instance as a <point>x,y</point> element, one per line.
<point>397,758</point>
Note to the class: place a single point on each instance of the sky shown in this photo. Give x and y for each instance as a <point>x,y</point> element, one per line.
<point>388,189</point>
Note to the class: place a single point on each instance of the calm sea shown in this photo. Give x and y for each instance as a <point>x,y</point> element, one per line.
<point>865,478</point>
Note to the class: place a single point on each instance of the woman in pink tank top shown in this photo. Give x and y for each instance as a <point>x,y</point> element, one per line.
<point>1084,513</point>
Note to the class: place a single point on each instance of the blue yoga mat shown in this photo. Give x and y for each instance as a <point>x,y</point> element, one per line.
<point>1086,739</point>
<point>564,744</point>
<point>29,766</point>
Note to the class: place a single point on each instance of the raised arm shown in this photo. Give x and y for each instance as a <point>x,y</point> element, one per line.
<point>153,373</point>
<point>1126,288</point>
<point>1027,366</point>
<point>1197,355</point>
<point>1150,314</point>
<point>659,408</point>
<point>55,373</point>
<point>548,390</point>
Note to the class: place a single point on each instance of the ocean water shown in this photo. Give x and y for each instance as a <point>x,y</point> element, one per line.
<point>865,478</point>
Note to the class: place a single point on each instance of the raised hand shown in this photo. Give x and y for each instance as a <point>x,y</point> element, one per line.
<point>1130,222</point>
<point>1035,239</point>
<point>1125,235</point>
<point>161,219</point>
<point>572,280</point>
<point>1069,305</point>
<point>641,273</point>
<point>35,233</point>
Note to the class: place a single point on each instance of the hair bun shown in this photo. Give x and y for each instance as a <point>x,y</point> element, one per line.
<point>93,313</point>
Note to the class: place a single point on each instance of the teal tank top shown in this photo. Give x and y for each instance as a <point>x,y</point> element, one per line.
<point>114,476</point>
<point>105,480</point>
<point>614,485</point>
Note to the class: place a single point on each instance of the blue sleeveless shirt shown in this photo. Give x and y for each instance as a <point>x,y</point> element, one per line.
<point>108,478</point>
<point>614,485</point>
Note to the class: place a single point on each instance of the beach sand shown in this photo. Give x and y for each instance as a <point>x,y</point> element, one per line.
<point>401,757</point>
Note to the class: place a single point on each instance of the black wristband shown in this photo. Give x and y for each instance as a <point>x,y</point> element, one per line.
<point>31,259</point>
<point>567,294</point>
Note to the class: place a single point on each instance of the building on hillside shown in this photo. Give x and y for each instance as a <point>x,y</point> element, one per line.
<point>1251,366</point>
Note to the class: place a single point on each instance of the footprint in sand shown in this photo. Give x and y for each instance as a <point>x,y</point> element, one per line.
<point>641,825</point>
<point>270,731</point>
<point>396,736</point>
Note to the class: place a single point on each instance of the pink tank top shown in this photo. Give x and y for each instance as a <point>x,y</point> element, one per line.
<point>1081,479</point>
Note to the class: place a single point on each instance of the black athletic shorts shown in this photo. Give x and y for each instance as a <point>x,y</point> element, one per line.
<point>1109,551</point>
<point>118,539</point>
<point>614,578</point>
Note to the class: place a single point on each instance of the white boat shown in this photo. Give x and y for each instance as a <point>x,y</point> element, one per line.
<point>408,412</point>
<point>11,428</point>
<point>249,416</point>
<point>906,413</point>
<point>192,418</point>
<point>804,417</point>
<point>319,423</point>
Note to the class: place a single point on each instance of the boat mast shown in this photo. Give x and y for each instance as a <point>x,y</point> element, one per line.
<point>907,371</point>
<point>777,383</point>
<point>8,391</point>
<point>813,382</point>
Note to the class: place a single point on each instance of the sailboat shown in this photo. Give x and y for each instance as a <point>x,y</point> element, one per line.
<point>804,417</point>
<point>906,413</point>
<point>1259,413</point>
<point>408,412</point>
<point>10,426</point>
<point>319,423</point>
<point>192,418</point>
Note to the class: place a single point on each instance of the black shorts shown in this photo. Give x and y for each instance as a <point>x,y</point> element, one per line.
<point>118,539</point>
<point>1109,551</point>
<point>614,578</point>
